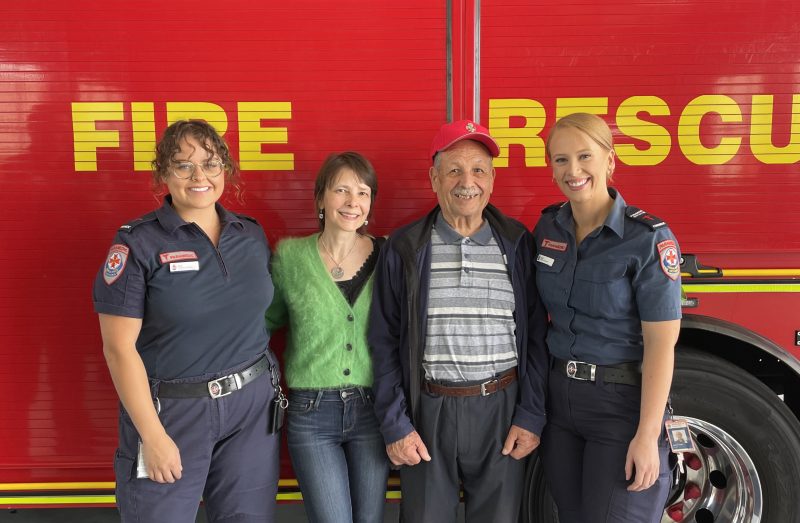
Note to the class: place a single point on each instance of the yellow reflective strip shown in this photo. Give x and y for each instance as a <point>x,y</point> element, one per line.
<point>393,494</point>
<point>748,272</point>
<point>761,272</point>
<point>103,485</point>
<point>287,482</point>
<point>57,500</point>
<point>289,496</point>
<point>733,287</point>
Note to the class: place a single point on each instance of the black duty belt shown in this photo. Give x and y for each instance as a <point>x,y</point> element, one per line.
<point>625,373</point>
<point>215,388</point>
<point>480,389</point>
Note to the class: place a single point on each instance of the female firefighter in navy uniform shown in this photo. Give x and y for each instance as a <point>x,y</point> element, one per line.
<point>181,300</point>
<point>609,276</point>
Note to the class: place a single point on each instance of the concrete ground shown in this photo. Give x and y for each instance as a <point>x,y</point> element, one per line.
<point>286,514</point>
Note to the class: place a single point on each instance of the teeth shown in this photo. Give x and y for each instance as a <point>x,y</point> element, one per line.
<point>578,183</point>
<point>198,189</point>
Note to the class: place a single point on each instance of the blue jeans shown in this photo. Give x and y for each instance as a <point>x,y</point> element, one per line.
<point>338,455</point>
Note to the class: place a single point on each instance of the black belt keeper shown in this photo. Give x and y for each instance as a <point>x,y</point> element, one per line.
<point>624,373</point>
<point>216,388</point>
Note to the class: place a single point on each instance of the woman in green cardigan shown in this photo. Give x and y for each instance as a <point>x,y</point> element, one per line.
<point>323,288</point>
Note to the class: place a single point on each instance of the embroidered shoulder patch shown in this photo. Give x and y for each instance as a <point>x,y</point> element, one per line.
<point>670,261</point>
<point>115,264</point>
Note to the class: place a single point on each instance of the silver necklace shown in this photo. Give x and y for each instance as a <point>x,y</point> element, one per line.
<point>336,271</point>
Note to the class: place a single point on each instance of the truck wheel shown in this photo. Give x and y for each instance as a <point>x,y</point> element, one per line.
<point>748,444</point>
<point>748,450</point>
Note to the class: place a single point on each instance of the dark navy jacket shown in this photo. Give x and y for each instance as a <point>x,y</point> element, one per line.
<point>398,323</point>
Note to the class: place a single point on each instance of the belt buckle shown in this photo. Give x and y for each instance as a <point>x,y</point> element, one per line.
<point>572,370</point>
<point>484,392</point>
<point>216,390</point>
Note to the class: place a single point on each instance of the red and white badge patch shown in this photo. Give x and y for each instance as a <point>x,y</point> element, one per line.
<point>167,257</point>
<point>670,261</point>
<point>552,244</point>
<point>115,264</point>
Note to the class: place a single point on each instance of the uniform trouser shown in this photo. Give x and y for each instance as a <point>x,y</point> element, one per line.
<point>228,459</point>
<point>584,446</point>
<point>338,455</point>
<point>464,437</point>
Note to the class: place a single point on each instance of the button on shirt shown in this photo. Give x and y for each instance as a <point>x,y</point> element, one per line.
<point>202,307</point>
<point>598,293</point>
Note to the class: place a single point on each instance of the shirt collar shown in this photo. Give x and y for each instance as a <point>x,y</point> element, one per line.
<point>449,235</point>
<point>170,220</point>
<point>614,221</point>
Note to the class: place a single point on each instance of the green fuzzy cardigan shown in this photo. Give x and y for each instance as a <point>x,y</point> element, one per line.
<point>326,347</point>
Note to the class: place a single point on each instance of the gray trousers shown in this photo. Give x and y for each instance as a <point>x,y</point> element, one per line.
<point>464,437</point>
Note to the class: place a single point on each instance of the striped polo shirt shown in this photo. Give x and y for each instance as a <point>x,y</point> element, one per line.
<point>470,332</point>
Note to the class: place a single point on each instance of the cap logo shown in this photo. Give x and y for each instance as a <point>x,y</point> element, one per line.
<point>470,127</point>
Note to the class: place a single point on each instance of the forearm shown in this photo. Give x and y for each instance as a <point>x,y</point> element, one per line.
<point>657,368</point>
<point>130,380</point>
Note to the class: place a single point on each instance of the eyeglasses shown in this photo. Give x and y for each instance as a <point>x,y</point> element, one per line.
<point>185,169</point>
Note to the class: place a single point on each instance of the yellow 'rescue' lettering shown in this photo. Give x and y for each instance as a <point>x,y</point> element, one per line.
<point>761,132</point>
<point>689,129</point>
<point>252,136</point>
<point>629,123</point>
<point>86,137</point>
<point>528,136</point>
<point>638,117</point>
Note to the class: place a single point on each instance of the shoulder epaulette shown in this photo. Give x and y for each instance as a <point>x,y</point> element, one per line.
<point>634,213</point>
<point>149,217</point>
<point>553,208</point>
<point>246,217</point>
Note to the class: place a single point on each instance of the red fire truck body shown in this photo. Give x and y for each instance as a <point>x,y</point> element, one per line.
<point>703,97</point>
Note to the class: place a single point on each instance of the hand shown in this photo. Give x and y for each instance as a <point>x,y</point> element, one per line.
<point>520,442</point>
<point>642,458</point>
<point>162,459</point>
<point>408,451</point>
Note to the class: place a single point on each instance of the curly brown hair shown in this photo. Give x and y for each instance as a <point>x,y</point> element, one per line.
<point>211,141</point>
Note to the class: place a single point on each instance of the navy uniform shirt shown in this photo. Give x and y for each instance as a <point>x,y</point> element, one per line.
<point>202,307</point>
<point>597,294</point>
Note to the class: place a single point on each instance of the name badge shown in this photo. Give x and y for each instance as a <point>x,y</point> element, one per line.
<point>184,266</point>
<point>547,260</point>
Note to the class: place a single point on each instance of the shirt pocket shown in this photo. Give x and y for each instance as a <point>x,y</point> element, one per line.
<point>604,289</point>
<point>550,282</point>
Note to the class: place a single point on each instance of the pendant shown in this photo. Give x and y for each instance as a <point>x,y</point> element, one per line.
<point>337,272</point>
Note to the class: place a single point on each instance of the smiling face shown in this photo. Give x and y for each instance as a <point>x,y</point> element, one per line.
<point>581,166</point>
<point>346,203</point>
<point>463,178</point>
<point>199,193</point>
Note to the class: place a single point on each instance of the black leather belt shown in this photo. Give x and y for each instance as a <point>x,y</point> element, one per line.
<point>625,373</point>
<point>215,388</point>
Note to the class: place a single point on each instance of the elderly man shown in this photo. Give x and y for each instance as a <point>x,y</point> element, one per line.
<point>457,336</point>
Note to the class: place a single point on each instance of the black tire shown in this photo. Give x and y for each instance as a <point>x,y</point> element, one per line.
<point>725,396</point>
<point>725,400</point>
<point>537,503</point>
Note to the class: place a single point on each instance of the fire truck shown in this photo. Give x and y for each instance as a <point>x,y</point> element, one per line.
<point>703,98</point>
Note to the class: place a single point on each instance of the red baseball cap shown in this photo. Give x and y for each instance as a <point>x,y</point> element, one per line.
<point>453,132</point>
